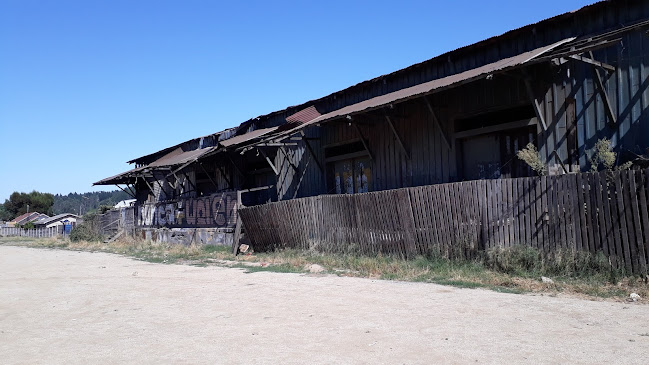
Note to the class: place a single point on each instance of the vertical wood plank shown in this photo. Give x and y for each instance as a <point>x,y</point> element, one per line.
<point>622,222</point>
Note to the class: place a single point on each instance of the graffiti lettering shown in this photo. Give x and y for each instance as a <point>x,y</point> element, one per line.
<point>219,210</point>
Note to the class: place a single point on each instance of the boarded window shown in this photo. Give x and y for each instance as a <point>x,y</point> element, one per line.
<point>493,155</point>
<point>349,169</point>
<point>352,176</point>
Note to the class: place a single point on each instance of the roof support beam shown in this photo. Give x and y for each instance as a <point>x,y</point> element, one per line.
<point>236,167</point>
<point>149,185</point>
<point>306,165</point>
<point>436,121</point>
<point>127,192</point>
<point>272,165</point>
<point>360,134</point>
<point>173,172</point>
<point>537,106</point>
<point>190,182</point>
<point>602,91</point>
<point>174,185</point>
<point>278,144</point>
<point>396,135</point>
<point>308,147</point>
<point>208,176</point>
<point>288,159</point>
<point>132,190</point>
<point>225,176</point>
<point>591,61</point>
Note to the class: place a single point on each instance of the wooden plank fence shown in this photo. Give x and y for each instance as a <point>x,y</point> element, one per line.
<point>596,212</point>
<point>31,232</point>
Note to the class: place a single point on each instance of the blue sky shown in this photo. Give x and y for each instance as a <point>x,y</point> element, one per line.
<point>87,85</point>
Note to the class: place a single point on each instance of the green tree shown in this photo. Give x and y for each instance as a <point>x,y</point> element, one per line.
<point>5,215</point>
<point>19,203</point>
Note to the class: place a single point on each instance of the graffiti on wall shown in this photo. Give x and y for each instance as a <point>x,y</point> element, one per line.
<point>218,210</point>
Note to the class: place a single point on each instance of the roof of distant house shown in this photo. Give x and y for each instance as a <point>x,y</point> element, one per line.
<point>56,218</point>
<point>28,217</point>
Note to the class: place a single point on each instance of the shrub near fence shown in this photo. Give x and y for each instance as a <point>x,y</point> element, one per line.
<point>596,212</point>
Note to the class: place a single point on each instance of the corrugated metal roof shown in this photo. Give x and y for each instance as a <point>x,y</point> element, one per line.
<point>179,157</point>
<point>427,87</point>
<point>304,115</point>
<point>123,178</point>
<point>247,137</point>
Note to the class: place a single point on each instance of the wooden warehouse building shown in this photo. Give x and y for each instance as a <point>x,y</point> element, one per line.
<point>561,84</point>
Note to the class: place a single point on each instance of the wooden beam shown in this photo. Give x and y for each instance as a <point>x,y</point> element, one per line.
<point>360,134</point>
<point>437,122</point>
<point>173,172</point>
<point>208,176</point>
<point>236,167</point>
<point>591,61</point>
<point>537,106</point>
<point>558,159</point>
<point>297,187</point>
<point>272,166</point>
<point>174,185</point>
<point>149,185</point>
<point>607,103</point>
<point>131,190</point>
<point>396,135</point>
<point>129,193</point>
<point>225,176</point>
<point>275,144</point>
<point>496,128</point>
<point>190,182</point>
<point>308,147</point>
<point>288,159</point>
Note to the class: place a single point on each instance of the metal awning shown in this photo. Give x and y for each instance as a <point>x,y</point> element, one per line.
<point>434,85</point>
<point>237,140</point>
<point>179,157</point>
<point>127,177</point>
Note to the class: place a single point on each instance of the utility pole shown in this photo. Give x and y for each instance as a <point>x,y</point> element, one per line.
<point>27,208</point>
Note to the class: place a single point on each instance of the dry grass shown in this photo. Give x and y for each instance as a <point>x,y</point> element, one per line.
<point>514,271</point>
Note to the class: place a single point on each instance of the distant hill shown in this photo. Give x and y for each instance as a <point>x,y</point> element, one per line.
<point>87,202</point>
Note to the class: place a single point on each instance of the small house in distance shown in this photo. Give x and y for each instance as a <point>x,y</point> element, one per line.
<point>560,84</point>
<point>65,221</point>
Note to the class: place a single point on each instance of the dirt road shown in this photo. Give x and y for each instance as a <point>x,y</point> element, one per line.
<point>71,307</point>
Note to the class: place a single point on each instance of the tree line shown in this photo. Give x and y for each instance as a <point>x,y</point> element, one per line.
<point>50,204</point>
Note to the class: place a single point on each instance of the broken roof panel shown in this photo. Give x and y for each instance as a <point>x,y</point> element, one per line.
<point>179,157</point>
<point>304,115</point>
<point>127,177</point>
<point>247,137</point>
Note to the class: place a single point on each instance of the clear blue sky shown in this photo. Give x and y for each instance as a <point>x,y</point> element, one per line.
<point>87,85</point>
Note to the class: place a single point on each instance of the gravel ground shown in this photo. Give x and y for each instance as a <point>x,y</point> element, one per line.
<point>75,307</point>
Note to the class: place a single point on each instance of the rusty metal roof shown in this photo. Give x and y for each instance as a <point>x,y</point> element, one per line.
<point>179,157</point>
<point>127,177</point>
<point>430,86</point>
<point>247,137</point>
<point>304,115</point>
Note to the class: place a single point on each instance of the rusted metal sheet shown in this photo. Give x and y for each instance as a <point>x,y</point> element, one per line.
<point>179,157</point>
<point>304,115</point>
<point>247,137</point>
<point>427,87</point>
<point>127,177</point>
